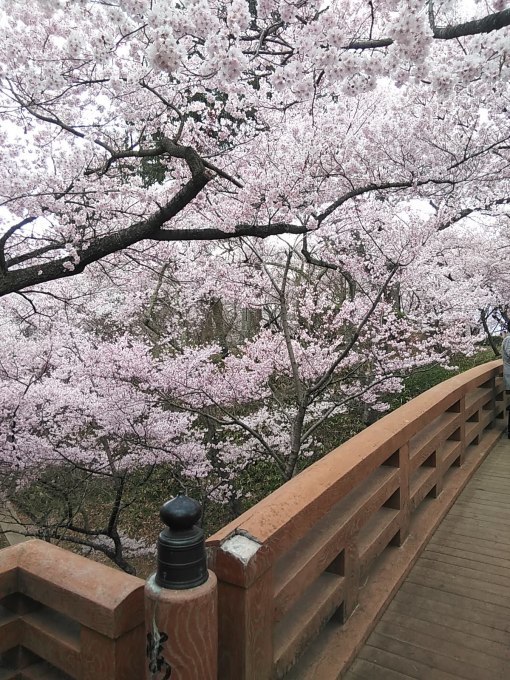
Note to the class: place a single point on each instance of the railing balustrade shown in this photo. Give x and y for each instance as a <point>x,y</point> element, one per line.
<point>302,576</point>
<point>63,616</point>
<point>341,536</point>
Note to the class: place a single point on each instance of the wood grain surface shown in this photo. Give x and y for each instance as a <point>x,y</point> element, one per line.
<point>450,619</point>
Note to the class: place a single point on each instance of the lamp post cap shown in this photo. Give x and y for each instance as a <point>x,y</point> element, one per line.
<point>181,553</point>
<point>181,513</point>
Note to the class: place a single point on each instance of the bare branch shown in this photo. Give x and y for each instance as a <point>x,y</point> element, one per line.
<point>323,382</point>
<point>3,240</point>
<point>487,24</point>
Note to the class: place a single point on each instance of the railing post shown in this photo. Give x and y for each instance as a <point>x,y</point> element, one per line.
<point>351,573</point>
<point>246,606</point>
<point>181,618</point>
<point>404,504</point>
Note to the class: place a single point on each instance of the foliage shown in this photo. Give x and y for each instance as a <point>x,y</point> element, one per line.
<point>424,379</point>
<point>279,211</point>
<point>255,117</point>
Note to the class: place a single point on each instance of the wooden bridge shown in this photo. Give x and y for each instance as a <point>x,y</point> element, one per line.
<point>388,559</point>
<point>332,548</point>
<point>450,618</point>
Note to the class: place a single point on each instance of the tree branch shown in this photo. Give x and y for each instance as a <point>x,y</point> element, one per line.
<point>469,211</point>
<point>323,381</point>
<point>487,24</point>
<point>3,240</point>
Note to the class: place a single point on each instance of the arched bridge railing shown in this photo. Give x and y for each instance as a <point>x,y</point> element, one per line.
<point>302,577</point>
<point>307,571</point>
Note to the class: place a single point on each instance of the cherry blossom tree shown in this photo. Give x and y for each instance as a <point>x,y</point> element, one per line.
<point>77,416</point>
<point>272,206</point>
<point>257,118</point>
<point>208,361</point>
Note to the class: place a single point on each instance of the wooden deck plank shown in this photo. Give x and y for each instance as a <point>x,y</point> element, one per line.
<point>488,504</point>
<point>429,638</point>
<point>450,620</point>
<point>487,490</point>
<point>499,470</point>
<point>489,484</point>
<point>420,654</point>
<point>400,664</point>
<point>429,562</point>
<point>462,551</point>
<point>484,548</point>
<point>460,639</point>
<point>484,516</point>
<point>486,486</point>
<point>496,615</point>
<point>363,669</point>
<point>467,561</point>
<point>478,534</point>
<point>466,509</point>
<point>488,501</point>
<point>469,620</point>
<point>486,496</point>
<point>470,588</point>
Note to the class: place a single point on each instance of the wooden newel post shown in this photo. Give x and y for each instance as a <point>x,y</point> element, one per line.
<point>181,618</point>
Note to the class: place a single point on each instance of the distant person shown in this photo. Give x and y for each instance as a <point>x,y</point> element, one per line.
<point>505,353</point>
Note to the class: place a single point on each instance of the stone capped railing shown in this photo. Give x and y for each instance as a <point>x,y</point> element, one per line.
<point>307,571</point>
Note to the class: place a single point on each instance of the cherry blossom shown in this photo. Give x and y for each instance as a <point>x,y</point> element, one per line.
<point>223,225</point>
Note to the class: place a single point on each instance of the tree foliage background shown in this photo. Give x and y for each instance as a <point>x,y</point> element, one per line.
<point>278,210</point>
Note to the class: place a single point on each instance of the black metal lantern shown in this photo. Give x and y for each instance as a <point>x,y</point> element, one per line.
<point>181,550</point>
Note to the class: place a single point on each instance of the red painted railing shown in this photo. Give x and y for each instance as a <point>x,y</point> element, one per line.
<point>304,574</point>
<point>345,532</point>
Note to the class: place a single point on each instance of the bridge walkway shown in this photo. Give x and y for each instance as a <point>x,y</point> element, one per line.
<point>450,620</point>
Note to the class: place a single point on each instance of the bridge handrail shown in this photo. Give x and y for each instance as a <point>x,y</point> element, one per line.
<point>62,612</point>
<point>295,561</point>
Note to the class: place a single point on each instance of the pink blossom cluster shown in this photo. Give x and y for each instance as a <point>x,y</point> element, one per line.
<point>282,209</point>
